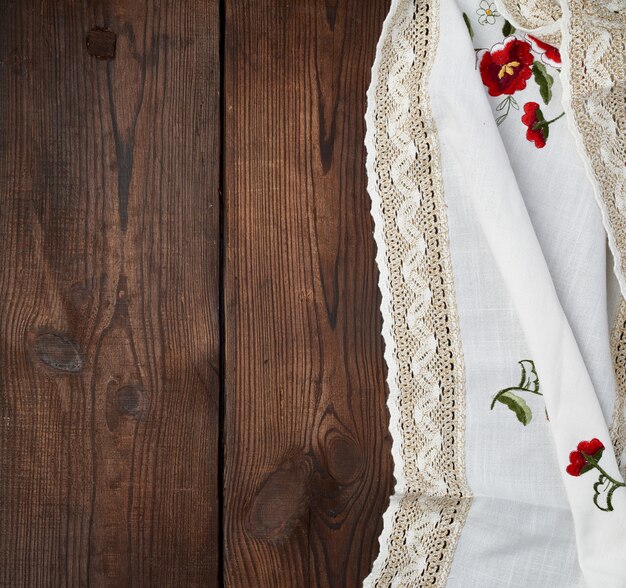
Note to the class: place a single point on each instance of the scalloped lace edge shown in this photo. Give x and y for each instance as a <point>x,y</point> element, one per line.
<point>426,377</point>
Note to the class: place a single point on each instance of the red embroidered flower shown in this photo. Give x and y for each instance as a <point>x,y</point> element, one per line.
<point>578,459</point>
<point>506,68</point>
<point>591,447</point>
<point>548,53</point>
<point>587,457</point>
<point>577,463</point>
<point>533,118</point>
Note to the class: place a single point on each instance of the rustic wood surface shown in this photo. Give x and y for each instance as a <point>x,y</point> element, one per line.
<point>109,293</point>
<point>191,369</point>
<point>307,464</point>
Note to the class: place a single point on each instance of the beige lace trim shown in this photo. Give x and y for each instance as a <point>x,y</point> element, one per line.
<point>530,14</point>
<point>538,17</point>
<point>618,349</point>
<point>595,46</point>
<point>422,343</point>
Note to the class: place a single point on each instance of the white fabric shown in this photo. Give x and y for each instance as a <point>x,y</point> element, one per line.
<point>529,262</point>
<point>511,544</point>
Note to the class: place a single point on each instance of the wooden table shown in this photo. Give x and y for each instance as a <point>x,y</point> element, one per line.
<point>192,385</point>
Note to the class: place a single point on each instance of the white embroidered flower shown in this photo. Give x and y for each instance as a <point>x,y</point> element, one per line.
<point>487,12</point>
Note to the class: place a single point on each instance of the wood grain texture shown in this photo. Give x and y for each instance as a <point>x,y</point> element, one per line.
<point>109,291</point>
<point>308,469</point>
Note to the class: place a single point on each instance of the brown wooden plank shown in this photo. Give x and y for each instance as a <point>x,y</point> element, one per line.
<point>109,344</point>
<point>307,452</point>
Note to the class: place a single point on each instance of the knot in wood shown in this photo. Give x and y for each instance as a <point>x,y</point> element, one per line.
<point>57,351</point>
<point>276,508</point>
<point>101,43</point>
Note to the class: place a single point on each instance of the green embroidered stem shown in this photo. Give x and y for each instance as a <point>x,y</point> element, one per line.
<point>596,465</point>
<point>609,497</point>
<point>507,103</point>
<point>544,124</point>
<point>529,382</point>
<point>549,122</point>
<point>501,392</point>
<point>612,485</point>
<point>605,483</point>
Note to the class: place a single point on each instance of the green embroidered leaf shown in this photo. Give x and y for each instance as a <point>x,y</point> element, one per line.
<point>586,469</point>
<point>544,80</point>
<point>530,379</point>
<point>468,24</point>
<point>508,28</point>
<point>506,103</point>
<point>540,118</point>
<point>503,104</point>
<point>603,494</point>
<point>517,405</point>
<point>595,458</point>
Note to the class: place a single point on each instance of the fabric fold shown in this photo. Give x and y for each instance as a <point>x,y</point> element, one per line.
<point>569,395</point>
<point>500,371</point>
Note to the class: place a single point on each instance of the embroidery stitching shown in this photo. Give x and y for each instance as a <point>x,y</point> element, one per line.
<point>487,13</point>
<point>529,382</point>
<point>587,457</point>
<point>538,126</point>
<point>505,70</point>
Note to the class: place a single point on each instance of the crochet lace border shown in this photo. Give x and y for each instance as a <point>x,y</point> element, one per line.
<point>420,326</point>
<point>594,96</point>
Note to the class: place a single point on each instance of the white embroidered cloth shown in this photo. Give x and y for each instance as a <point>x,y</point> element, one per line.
<point>496,170</point>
